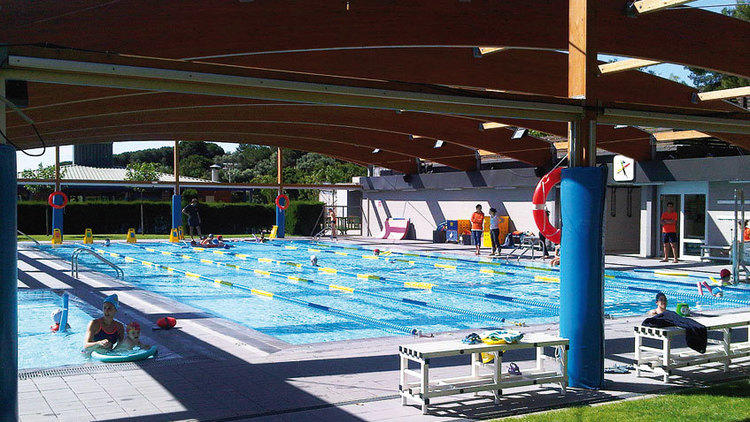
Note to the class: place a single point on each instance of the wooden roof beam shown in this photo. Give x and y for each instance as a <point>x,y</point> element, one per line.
<point>641,7</point>
<point>623,65</point>
<point>722,94</point>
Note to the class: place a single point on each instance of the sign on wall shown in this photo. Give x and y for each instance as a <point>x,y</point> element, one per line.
<point>623,169</point>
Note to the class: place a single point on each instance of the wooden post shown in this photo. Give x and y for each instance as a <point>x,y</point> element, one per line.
<point>176,151</point>
<point>279,157</point>
<point>582,68</point>
<point>57,168</point>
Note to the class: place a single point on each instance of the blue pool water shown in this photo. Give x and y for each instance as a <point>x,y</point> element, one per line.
<point>38,347</point>
<point>473,295</point>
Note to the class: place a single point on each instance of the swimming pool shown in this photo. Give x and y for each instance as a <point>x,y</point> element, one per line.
<point>353,294</point>
<point>38,346</point>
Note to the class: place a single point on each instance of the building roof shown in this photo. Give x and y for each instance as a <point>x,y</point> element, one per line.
<point>76,172</point>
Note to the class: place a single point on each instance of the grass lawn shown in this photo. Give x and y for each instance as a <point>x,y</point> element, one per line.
<point>722,402</point>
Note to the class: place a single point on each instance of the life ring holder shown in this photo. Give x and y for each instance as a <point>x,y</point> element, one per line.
<point>543,188</point>
<point>286,201</point>
<point>51,198</point>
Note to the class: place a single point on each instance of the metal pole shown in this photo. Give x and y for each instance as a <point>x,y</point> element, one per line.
<point>8,276</point>
<point>57,168</point>
<point>176,197</point>
<point>280,214</point>
<point>176,151</point>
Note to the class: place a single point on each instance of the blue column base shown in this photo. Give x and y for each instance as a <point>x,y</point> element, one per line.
<point>582,274</point>
<point>8,286</point>
<point>57,216</point>
<point>176,211</point>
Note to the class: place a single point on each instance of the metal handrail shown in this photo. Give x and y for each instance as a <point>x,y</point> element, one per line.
<point>32,239</point>
<point>74,262</point>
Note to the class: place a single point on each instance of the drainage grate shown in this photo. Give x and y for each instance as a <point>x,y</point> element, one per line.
<point>98,369</point>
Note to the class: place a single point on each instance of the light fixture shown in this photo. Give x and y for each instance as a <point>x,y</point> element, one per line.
<point>620,126</point>
<point>491,125</point>
<point>438,143</point>
<point>413,137</point>
<point>519,133</point>
<point>376,150</point>
<point>483,51</point>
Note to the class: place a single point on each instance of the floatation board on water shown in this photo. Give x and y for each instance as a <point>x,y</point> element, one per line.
<point>114,356</point>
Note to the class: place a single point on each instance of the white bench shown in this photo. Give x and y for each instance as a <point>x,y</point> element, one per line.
<point>664,359</point>
<point>424,388</point>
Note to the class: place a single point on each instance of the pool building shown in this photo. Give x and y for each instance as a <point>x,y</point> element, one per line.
<point>512,105</point>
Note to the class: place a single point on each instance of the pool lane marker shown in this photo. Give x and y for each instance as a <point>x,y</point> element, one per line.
<point>351,290</point>
<point>359,318</point>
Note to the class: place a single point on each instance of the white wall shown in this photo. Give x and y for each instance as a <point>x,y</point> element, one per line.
<point>429,207</point>
<point>622,231</point>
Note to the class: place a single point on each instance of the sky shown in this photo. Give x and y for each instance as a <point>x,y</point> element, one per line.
<point>66,152</point>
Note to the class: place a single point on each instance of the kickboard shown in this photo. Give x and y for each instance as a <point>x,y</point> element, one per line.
<point>124,355</point>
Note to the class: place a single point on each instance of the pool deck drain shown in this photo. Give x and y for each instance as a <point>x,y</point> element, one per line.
<point>230,372</point>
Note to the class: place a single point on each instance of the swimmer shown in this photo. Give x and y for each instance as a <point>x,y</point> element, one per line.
<point>661,304</point>
<point>376,252</point>
<point>205,240</point>
<point>56,316</point>
<point>702,284</point>
<point>133,338</point>
<point>313,260</point>
<point>106,242</point>
<point>104,332</point>
<point>418,333</point>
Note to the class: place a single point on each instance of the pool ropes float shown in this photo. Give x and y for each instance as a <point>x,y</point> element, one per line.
<point>539,199</point>
<point>51,200</point>
<point>114,356</point>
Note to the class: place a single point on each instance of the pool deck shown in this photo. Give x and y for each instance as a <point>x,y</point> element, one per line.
<point>214,369</point>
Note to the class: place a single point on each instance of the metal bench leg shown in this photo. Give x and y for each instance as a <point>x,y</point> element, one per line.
<point>667,342</point>
<point>425,386</point>
<point>727,350</point>
<point>565,369</point>
<point>404,364</point>
<point>475,359</point>
<point>496,375</point>
<point>539,356</point>
<point>638,343</point>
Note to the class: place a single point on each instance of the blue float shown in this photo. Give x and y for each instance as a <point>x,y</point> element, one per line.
<point>8,286</point>
<point>64,314</point>
<point>57,215</point>
<point>281,216</point>
<point>582,273</point>
<point>176,211</point>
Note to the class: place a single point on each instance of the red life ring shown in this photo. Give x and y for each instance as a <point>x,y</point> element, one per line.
<point>543,189</point>
<point>51,198</point>
<point>286,201</point>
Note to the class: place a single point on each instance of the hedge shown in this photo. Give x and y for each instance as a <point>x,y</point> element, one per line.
<point>117,216</point>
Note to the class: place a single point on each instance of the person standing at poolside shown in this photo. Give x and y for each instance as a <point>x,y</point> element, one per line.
<point>194,218</point>
<point>332,220</point>
<point>477,221</point>
<point>105,332</point>
<point>494,232</point>
<point>669,231</point>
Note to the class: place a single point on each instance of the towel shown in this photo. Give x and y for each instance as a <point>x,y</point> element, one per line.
<point>696,334</point>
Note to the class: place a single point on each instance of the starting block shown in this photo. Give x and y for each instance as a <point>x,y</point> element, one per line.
<point>131,236</point>
<point>174,236</point>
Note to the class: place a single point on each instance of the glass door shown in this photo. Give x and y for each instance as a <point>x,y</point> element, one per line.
<point>689,199</point>
<point>676,201</point>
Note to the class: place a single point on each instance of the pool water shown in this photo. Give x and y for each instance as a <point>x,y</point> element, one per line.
<point>329,310</point>
<point>38,346</point>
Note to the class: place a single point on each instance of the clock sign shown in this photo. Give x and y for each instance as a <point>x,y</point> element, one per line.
<point>623,169</point>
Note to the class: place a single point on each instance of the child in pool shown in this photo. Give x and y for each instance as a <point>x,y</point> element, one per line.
<point>133,338</point>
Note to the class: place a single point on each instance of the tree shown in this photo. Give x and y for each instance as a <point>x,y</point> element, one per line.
<point>707,80</point>
<point>41,172</point>
<point>142,172</point>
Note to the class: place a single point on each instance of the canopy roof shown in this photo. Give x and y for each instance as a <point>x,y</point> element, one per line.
<point>361,81</point>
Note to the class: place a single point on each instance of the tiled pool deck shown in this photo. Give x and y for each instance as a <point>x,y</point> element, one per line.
<point>214,369</point>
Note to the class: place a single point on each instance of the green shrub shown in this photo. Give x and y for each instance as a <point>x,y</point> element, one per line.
<point>303,217</point>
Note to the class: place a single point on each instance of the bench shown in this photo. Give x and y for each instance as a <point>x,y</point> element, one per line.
<point>424,388</point>
<point>664,359</point>
<point>725,252</point>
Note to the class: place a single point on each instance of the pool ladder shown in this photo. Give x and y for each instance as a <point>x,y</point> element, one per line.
<point>26,235</point>
<point>77,253</point>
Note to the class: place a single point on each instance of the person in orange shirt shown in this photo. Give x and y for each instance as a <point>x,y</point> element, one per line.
<point>746,232</point>
<point>477,222</point>
<point>669,231</point>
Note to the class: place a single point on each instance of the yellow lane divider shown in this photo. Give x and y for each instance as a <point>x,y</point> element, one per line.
<point>546,279</point>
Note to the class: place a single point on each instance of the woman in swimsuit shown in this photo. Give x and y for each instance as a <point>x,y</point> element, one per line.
<point>105,332</point>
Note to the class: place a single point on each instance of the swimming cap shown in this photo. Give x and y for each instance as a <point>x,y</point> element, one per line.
<point>725,273</point>
<point>135,325</point>
<point>113,300</point>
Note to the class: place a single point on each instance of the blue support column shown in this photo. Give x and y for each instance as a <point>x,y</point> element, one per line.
<point>8,286</point>
<point>582,273</point>
<point>57,215</point>
<point>280,219</point>
<point>176,211</point>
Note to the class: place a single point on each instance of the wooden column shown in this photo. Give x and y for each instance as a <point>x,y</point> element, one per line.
<point>279,158</point>
<point>176,151</point>
<point>582,68</point>
<point>57,168</point>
